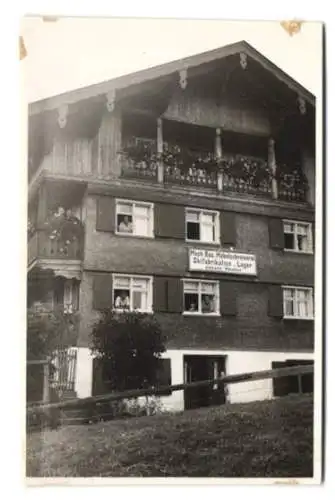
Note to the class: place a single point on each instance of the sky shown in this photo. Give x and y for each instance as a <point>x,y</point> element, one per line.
<point>76,52</point>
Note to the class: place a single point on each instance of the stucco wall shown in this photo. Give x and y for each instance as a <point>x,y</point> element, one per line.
<point>236,362</point>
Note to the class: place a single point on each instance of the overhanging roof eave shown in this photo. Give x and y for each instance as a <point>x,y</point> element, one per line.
<point>166,69</point>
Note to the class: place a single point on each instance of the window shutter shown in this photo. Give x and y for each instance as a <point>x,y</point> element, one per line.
<point>102,291</point>
<point>228,228</point>
<point>164,375</point>
<point>169,221</point>
<point>160,294</point>
<point>175,295</point>
<point>228,298</point>
<point>105,214</point>
<point>276,233</point>
<point>275,301</point>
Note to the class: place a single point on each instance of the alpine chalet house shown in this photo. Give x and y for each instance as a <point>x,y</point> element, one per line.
<point>186,190</point>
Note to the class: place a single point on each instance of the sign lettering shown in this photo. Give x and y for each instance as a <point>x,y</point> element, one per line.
<point>222,261</point>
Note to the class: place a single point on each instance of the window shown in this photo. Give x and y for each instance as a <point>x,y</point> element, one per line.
<point>298,236</point>
<point>293,384</point>
<point>201,297</point>
<point>298,303</point>
<point>66,295</point>
<point>134,218</point>
<point>132,293</point>
<point>71,296</point>
<point>202,225</point>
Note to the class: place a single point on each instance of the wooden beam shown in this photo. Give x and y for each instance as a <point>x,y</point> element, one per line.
<point>137,111</point>
<point>229,379</point>
<point>273,167</point>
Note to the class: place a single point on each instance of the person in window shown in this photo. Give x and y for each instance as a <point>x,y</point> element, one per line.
<point>125,225</point>
<point>193,307</point>
<point>122,301</point>
<point>207,304</point>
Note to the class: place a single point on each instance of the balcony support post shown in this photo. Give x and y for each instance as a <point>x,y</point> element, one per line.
<point>218,155</point>
<point>160,166</point>
<point>273,167</point>
<point>42,206</point>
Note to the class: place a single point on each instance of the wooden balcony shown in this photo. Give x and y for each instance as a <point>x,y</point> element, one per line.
<point>139,159</point>
<point>41,246</point>
<point>292,184</point>
<point>229,173</point>
<point>141,170</point>
<point>192,177</point>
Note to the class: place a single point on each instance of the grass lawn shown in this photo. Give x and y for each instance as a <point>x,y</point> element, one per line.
<point>261,439</point>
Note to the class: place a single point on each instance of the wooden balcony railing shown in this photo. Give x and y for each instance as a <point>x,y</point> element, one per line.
<point>41,246</point>
<point>228,174</point>
<point>246,174</point>
<point>140,159</point>
<point>292,184</point>
<point>192,177</point>
<point>141,170</point>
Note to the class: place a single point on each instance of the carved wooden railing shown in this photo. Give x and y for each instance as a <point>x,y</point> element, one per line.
<point>246,174</point>
<point>292,183</point>
<point>230,174</point>
<point>188,167</point>
<point>40,245</point>
<point>191,177</point>
<point>139,159</point>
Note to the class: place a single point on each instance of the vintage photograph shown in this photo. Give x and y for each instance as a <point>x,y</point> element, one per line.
<point>174,297</point>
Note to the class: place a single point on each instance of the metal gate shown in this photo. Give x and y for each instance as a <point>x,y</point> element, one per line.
<point>65,364</point>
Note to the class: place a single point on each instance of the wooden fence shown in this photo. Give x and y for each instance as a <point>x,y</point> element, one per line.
<point>298,370</point>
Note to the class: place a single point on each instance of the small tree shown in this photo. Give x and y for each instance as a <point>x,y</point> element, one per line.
<point>49,330</point>
<point>129,345</point>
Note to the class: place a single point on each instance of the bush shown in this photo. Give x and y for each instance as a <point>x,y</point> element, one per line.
<point>129,345</point>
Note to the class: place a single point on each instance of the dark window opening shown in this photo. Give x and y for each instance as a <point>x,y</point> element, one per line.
<point>121,299</point>
<point>124,223</point>
<point>191,302</point>
<point>294,384</point>
<point>193,231</point>
<point>289,240</point>
<point>207,303</point>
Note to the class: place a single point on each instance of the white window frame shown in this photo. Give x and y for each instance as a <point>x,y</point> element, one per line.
<point>146,204</point>
<point>295,302</point>
<point>132,277</point>
<point>217,297</point>
<point>295,233</point>
<point>216,225</point>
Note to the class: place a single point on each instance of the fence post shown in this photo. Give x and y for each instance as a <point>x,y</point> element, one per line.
<point>46,392</point>
<point>160,166</point>
<point>46,389</point>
